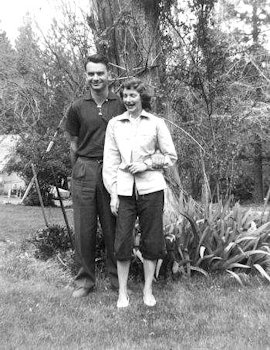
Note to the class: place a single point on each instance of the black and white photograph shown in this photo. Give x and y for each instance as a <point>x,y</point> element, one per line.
<point>135,174</point>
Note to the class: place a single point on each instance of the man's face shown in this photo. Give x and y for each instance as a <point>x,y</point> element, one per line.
<point>96,76</point>
<point>132,101</point>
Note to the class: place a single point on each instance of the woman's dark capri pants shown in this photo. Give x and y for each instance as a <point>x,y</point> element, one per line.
<point>149,209</point>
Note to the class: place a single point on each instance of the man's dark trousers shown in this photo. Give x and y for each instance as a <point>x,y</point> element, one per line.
<point>91,200</point>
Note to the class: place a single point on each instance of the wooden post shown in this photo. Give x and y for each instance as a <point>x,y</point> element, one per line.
<point>63,210</point>
<point>39,194</point>
<point>28,189</point>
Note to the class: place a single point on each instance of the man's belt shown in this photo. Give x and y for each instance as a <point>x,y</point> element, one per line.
<point>92,159</point>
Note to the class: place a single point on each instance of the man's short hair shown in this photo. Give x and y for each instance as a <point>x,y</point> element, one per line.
<point>139,86</point>
<point>97,58</point>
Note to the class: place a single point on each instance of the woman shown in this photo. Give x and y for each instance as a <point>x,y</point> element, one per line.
<point>135,185</point>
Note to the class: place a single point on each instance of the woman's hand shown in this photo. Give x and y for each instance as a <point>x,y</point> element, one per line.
<point>114,204</point>
<point>137,167</point>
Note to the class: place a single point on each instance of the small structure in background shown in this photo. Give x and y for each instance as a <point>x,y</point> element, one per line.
<point>10,184</point>
<point>65,194</point>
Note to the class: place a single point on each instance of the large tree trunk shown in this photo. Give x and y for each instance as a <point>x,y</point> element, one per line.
<point>127,32</point>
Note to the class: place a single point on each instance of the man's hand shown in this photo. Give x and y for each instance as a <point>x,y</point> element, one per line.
<point>158,160</point>
<point>137,167</point>
<point>114,204</point>
<point>73,149</point>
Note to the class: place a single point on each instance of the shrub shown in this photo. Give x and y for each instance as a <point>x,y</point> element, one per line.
<point>243,189</point>
<point>50,241</point>
<point>219,238</point>
<point>33,200</point>
<point>223,239</point>
<point>55,242</point>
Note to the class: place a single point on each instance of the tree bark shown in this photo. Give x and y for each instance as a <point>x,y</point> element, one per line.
<point>127,32</point>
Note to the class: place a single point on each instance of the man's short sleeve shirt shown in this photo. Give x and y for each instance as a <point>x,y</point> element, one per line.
<point>88,122</point>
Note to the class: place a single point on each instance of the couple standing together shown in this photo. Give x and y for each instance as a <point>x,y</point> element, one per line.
<point>117,176</point>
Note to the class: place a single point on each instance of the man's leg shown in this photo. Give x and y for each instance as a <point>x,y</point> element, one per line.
<point>85,223</point>
<point>108,224</point>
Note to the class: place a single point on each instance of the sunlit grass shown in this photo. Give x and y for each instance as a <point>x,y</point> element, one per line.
<point>37,311</point>
<point>19,221</point>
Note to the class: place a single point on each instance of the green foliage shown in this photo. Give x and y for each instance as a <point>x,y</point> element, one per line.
<point>50,167</point>
<point>54,243</point>
<point>33,199</point>
<point>213,78</point>
<point>37,89</point>
<point>223,239</point>
<point>50,241</point>
<point>218,84</point>
<point>243,189</point>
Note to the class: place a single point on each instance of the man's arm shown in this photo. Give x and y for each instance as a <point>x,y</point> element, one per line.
<point>73,148</point>
<point>155,161</point>
<point>72,131</point>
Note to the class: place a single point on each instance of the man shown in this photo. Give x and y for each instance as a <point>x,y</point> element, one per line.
<point>86,124</point>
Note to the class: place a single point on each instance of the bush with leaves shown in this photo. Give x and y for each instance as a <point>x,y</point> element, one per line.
<point>223,239</point>
<point>243,188</point>
<point>54,242</point>
<point>50,241</point>
<point>33,199</point>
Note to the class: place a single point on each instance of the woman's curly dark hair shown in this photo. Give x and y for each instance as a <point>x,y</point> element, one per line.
<point>139,86</point>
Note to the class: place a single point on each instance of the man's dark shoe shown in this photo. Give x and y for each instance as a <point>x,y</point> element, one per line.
<point>81,292</point>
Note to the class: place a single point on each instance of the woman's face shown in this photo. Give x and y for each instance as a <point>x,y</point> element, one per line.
<point>132,101</point>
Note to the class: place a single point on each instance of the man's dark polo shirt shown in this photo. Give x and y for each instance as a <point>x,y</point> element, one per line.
<point>85,122</point>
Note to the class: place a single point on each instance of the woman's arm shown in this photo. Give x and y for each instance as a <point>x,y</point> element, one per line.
<point>165,145</point>
<point>111,162</point>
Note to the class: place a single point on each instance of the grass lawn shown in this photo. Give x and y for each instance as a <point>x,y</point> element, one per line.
<point>37,312</point>
<point>18,222</point>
